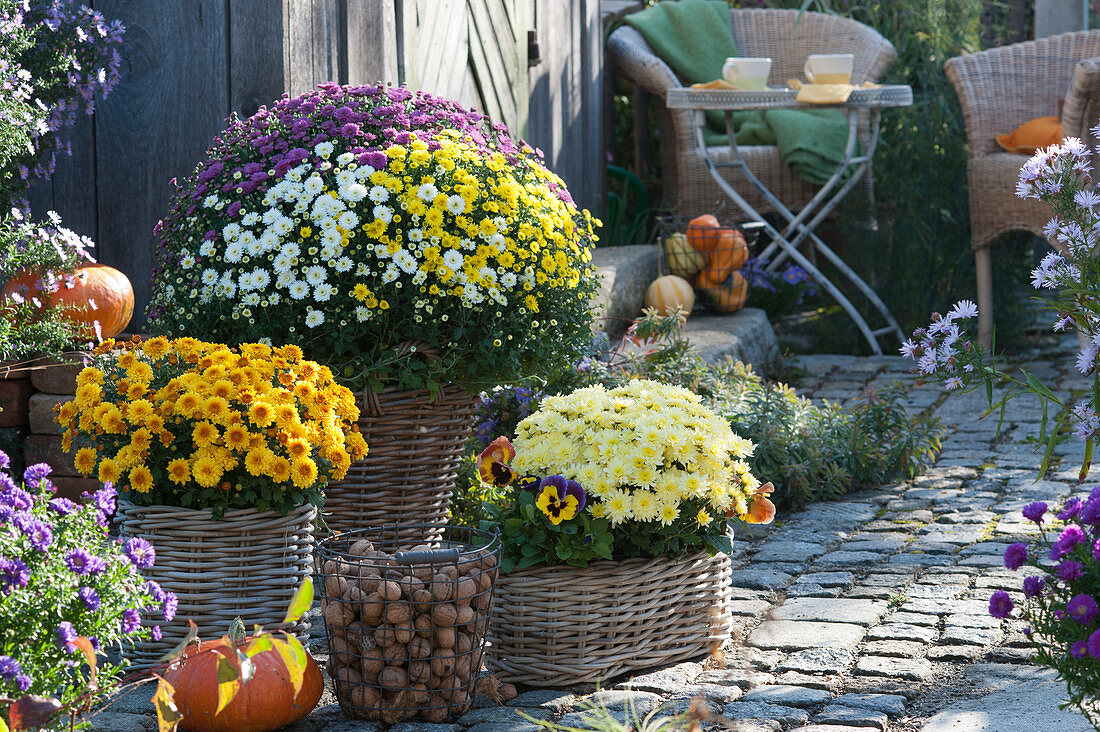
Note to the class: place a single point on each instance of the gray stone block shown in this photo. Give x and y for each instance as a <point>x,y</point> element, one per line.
<point>625,273</point>
<point>798,635</point>
<point>745,336</point>
<point>790,696</point>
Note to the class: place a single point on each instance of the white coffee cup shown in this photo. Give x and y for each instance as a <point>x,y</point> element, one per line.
<point>747,73</point>
<point>829,68</point>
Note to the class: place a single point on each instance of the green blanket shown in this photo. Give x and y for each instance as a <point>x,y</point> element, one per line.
<point>693,37</point>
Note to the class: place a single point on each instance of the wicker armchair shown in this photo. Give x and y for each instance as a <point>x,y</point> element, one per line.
<point>781,35</point>
<point>999,90</point>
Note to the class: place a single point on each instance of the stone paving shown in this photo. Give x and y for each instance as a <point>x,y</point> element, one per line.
<point>864,613</point>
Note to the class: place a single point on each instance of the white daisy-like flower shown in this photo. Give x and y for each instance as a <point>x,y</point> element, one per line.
<point>291,250</point>
<point>343,264</point>
<point>316,275</point>
<point>244,282</point>
<point>415,235</point>
<point>284,279</point>
<point>355,192</point>
<point>210,201</point>
<point>508,279</point>
<point>233,252</point>
<point>348,220</point>
<point>362,270</point>
<point>207,249</point>
<point>274,298</point>
<point>298,290</point>
<point>209,277</point>
<point>964,309</point>
<point>379,194</point>
<point>271,216</point>
<point>419,277</point>
<point>488,273</point>
<point>390,274</point>
<point>456,205</point>
<point>362,314</point>
<point>283,226</point>
<point>187,262</point>
<point>331,249</point>
<point>231,231</point>
<point>496,240</point>
<point>250,218</point>
<point>427,192</point>
<point>345,178</point>
<point>453,259</point>
<point>405,261</point>
<point>313,186</point>
<point>206,295</point>
<point>331,238</point>
<point>323,292</point>
<point>324,149</point>
<point>254,246</point>
<point>383,213</point>
<point>251,299</point>
<point>260,278</point>
<point>314,318</point>
<point>345,158</point>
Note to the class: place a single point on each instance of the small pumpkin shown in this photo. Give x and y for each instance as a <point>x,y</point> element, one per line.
<point>730,254</point>
<point>702,232</point>
<point>728,298</point>
<point>669,292</point>
<point>266,703</point>
<point>683,259</point>
<point>98,293</point>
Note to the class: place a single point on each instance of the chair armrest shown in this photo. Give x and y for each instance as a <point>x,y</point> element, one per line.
<point>1081,110</point>
<point>636,62</point>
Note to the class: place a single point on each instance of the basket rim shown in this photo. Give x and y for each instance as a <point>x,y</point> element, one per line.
<point>493,545</point>
<point>129,507</point>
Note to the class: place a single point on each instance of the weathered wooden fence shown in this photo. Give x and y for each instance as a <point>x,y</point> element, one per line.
<point>535,65</point>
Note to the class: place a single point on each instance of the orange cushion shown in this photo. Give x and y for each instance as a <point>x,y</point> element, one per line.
<point>1032,135</point>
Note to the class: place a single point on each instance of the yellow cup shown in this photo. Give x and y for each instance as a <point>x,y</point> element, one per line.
<point>829,68</point>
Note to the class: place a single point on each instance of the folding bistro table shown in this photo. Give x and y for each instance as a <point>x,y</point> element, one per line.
<point>801,227</point>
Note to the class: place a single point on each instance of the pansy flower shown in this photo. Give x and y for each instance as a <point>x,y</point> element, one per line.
<point>761,509</point>
<point>492,463</point>
<point>560,499</point>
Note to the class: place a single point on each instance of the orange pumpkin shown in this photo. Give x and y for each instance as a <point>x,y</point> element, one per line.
<point>669,292</point>
<point>98,293</point>
<point>702,232</point>
<point>266,702</point>
<point>728,298</point>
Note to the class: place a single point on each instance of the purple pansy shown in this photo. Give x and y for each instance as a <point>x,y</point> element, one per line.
<point>1015,555</point>
<point>1000,604</point>
<point>1035,511</point>
<point>140,552</point>
<point>1082,608</point>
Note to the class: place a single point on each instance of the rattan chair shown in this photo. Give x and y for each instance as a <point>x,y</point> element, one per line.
<point>999,90</point>
<point>787,37</point>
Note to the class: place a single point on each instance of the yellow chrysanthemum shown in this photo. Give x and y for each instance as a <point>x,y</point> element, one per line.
<point>141,479</point>
<point>156,348</point>
<point>85,460</point>
<point>139,411</point>
<point>261,413</point>
<point>179,472</point>
<point>236,437</point>
<point>205,433</point>
<point>215,408</point>
<point>703,518</point>
<point>303,472</point>
<point>109,471</point>
<point>206,472</point>
<point>279,469</point>
<point>188,404</point>
<point>297,448</point>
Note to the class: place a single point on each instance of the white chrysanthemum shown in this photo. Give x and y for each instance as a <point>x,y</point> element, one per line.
<point>354,192</point>
<point>331,238</point>
<point>209,277</point>
<point>405,261</point>
<point>314,318</point>
<point>252,299</point>
<point>345,158</point>
<point>390,274</point>
<point>261,278</point>
<point>316,275</point>
<point>345,177</point>
<point>274,298</point>
<point>508,279</point>
<point>271,216</point>
<point>456,205</point>
<point>207,249</point>
<point>348,220</point>
<point>362,314</point>
<point>187,262</point>
<point>343,264</point>
<point>231,231</point>
<point>323,149</point>
<point>233,252</point>
<point>453,259</point>
<point>383,213</point>
<point>330,250</point>
<point>427,192</point>
<point>250,218</point>
<point>313,186</point>
<point>419,277</point>
<point>210,201</point>
<point>298,290</point>
<point>323,292</point>
<point>379,194</point>
<point>283,279</point>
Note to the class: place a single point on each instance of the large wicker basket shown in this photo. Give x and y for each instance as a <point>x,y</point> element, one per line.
<point>416,443</point>
<point>247,565</point>
<point>560,625</point>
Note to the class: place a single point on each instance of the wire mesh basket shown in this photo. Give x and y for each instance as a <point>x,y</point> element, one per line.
<point>709,254</point>
<point>406,621</point>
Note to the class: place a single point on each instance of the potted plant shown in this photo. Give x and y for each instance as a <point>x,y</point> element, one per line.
<point>219,455</point>
<point>616,532</point>
<point>401,240</point>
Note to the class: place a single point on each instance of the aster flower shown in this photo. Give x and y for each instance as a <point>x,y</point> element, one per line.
<point>1015,555</point>
<point>63,506</point>
<point>1069,570</point>
<point>1082,608</point>
<point>9,667</point>
<point>1034,512</point>
<point>171,603</point>
<point>66,634</point>
<point>1033,585</point>
<point>14,574</point>
<point>140,552</point>
<point>131,621</point>
<point>89,597</point>
<point>1070,537</point>
<point>82,563</point>
<point>1000,604</point>
<point>39,534</point>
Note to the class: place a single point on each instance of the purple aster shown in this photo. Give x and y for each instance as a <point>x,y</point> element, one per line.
<point>171,603</point>
<point>1069,570</point>
<point>1070,537</point>
<point>66,634</point>
<point>89,597</point>
<point>35,473</point>
<point>9,667</point>
<point>1070,509</point>
<point>14,574</point>
<point>131,621</point>
<point>17,498</point>
<point>105,500</point>
<point>154,589</point>
<point>1080,649</point>
<point>1094,644</point>
<point>5,461</point>
<point>23,682</point>
<point>156,633</point>
<point>1015,555</point>
<point>1034,511</point>
<point>140,552</point>
<point>83,563</point>
<point>1033,586</point>
<point>1000,604</point>
<point>1096,550</point>
<point>1082,608</point>
<point>63,506</point>
<point>1090,512</point>
<point>39,534</point>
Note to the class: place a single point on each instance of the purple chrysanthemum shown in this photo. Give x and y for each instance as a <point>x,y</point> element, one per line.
<point>1070,509</point>
<point>1015,555</point>
<point>1069,570</point>
<point>131,621</point>
<point>35,473</point>
<point>66,634</point>
<point>63,506</point>
<point>1034,511</point>
<point>39,534</point>
<point>1090,512</point>
<point>1033,586</point>
<point>1082,608</point>
<point>89,597</point>
<point>1070,537</point>
<point>23,682</point>
<point>14,574</point>
<point>1000,604</point>
<point>80,562</point>
<point>9,667</point>
<point>140,552</point>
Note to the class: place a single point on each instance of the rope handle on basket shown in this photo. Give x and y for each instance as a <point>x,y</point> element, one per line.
<point>416,348</point>
<point>428,556</point>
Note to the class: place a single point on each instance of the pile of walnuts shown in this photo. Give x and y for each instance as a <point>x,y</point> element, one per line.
<point>406,640</point>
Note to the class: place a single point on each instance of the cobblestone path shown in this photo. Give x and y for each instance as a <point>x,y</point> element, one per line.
<point>869,612</point>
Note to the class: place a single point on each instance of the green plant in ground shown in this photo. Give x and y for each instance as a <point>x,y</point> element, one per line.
<point>600,719</point>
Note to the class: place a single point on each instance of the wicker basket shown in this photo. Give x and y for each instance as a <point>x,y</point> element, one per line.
<point>416,445</point>
<point>247,565</point>
<point>554,626</point>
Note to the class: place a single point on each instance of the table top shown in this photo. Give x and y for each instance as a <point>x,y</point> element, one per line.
<point>892,95</point>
